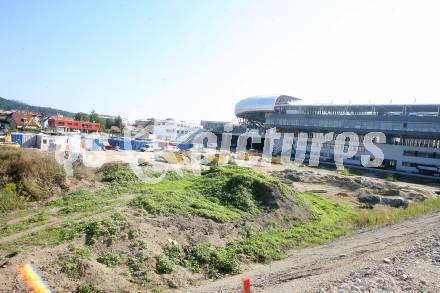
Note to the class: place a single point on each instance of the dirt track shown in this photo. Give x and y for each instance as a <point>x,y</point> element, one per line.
<point>312,269</point>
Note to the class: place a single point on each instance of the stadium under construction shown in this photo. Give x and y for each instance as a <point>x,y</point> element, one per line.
<point>412,132</point>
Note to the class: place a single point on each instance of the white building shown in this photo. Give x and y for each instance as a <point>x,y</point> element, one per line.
<point>170,129</point>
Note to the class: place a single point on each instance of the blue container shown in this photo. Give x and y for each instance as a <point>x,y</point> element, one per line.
<point>184,146</point>
<point>17,138</point>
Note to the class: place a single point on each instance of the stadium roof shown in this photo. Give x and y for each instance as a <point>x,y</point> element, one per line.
<point>262,103</point>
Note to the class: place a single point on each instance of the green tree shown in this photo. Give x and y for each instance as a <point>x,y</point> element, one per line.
<point>94,117</point>
<point>118,122</point>
<point>81,116</point>
<point>109,123</point>
<point>103,123</point>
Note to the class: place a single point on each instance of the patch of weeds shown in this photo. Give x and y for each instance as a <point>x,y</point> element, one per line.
<point>36,174</point>
<point>110,229</point>
<point>88,288</point>
<point>380,216</point>
<point>157,290</point>
<point>138,268</point>
<point>184,203</point>
<point>330,220</point>
<point>80,251</point>
<point>214,261</point>
<point>78,201</point>
<point>109,259</point>
<point>172,255</point>
<point>33,221</point>
<point>221,194</point>
<point>133,234</point>
<point>237,187</point>
<point>117,172</point>
<point>174,252</point>
<point>10,199</point>
<point>52,236</point>
<point>71,262</point>
<point>164,265</point>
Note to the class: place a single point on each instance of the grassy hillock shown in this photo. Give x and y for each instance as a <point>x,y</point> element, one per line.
<point>221,194</point>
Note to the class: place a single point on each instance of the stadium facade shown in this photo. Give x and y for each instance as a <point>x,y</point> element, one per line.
<point>412,132</point>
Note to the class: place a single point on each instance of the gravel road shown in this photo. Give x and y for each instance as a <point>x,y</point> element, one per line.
<point>404,257</point>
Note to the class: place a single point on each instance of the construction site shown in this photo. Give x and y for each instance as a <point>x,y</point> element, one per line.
<point>219,146</point>
<point>130,215</point>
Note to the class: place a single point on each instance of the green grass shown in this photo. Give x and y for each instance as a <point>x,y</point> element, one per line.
<point>221,194</point>
<point>108,229</point>
<point>10,199</point>
<point>172,254</point>
<point>215,262</point>
<point>330,220</point>
<point>184,203</point>
<point>49,237</point>
<point>33,221</point>
<point>78,201</point>
<point>381,216</point>
<point>117,172</point>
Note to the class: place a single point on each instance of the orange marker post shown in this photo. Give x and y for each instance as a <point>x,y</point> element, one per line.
<point>247,284</point>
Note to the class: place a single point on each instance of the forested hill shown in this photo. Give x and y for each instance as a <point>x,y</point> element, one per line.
<point>8,105</point>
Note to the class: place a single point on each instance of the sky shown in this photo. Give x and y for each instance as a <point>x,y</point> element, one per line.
<point>193,60</point>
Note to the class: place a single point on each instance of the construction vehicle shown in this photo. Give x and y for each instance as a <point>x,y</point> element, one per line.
<point>6,139</point>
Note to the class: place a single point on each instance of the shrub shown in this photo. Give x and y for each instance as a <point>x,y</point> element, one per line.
<point>117,172</point>
<point>71,262</point>
<point>174,252</point>
<point>80,252</point>
<point>109,228</point>
<point>109,259</point>
<point>87,288</point>
<point>81,172</point>
<point>138,269</point>
<point>35,174</point>
<point>164,265</point>
<point>216,261</point>
<point>9,198</point>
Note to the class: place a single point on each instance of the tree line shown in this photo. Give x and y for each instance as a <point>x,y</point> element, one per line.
<point>105,123</point>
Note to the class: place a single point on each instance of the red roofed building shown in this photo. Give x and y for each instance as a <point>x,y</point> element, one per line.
<point>23,120</point>
<point>68,124</point>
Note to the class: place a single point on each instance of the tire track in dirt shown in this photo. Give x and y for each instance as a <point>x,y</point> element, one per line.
<point>58,220</point>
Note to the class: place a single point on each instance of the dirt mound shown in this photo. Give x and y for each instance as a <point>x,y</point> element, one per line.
<point>359,186</point>
<point>263,199</point>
